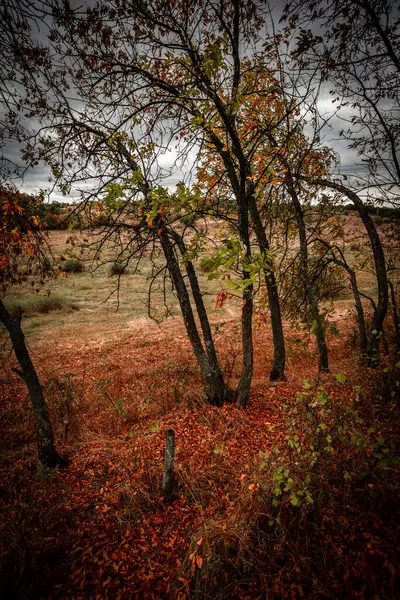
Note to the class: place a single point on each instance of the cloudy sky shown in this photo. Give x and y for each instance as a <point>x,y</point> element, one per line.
<point>38,178</point>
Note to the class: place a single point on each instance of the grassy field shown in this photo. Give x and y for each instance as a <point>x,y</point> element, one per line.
<point>93,303</point>
<point>96,303</point>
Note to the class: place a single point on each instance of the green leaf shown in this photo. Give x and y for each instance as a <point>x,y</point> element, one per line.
<point>294,499</point>
<point>219,448</point>
<point>340,378</point>
<point>154,427</point>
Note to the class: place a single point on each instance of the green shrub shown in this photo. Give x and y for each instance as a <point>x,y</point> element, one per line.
<point>117,268</point>
<point>32,304</point>
<point>72,265</point>
<point>189,219</point>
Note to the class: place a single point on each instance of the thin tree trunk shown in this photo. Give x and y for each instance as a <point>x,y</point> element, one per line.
<point>203,317</point>
<point>362,329</point>
<point>215,388</point>
<point>309,290</point>
<point>360,311</point>
<point>47,453</point>
<point>247,314</point>
<point>247,347</point>
<point>278,365</point>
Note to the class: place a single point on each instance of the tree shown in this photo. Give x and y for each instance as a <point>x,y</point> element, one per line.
<point>381,308</point>
<point>141,75</point>
<point>21,255</point>
<point>356,50</point>
<point>151,217</point>
<point>279,158</point>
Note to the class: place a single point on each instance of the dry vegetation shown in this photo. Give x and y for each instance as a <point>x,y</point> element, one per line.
<point>115,381</point>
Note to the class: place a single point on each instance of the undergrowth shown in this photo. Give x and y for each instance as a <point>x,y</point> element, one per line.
<point>301,526</point>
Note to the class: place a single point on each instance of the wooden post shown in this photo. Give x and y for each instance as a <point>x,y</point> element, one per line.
<point>168,478</point>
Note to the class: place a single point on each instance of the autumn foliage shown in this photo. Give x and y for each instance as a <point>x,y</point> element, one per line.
<point>22,243</point>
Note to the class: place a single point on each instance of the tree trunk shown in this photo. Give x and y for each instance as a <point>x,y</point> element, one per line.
<point>247,347</point>
<point>247,314</point>
<point>380,268</point>
<point>203,318</point>
<point>215,387</point>
<point>278,365</point>
<point>360,312</point>
<point>309,290</point>
<point>47,453</point>
<point>362,330</point>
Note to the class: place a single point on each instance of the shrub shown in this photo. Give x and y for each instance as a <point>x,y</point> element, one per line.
<point>32,304</point>
<point>318,490</point>
<point>189,219</point>
<point>72,265</point>
<point>117,268</point>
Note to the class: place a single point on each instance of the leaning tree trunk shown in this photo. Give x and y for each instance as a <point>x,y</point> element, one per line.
<point>360,312</point>
<point>278,365</point>
<point>214,383</point>
<point>380,268</point>
<point>309,290</point>
<point>200,308</point>
<point>47,453</point>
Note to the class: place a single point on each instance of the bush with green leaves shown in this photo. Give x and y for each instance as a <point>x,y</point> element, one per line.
<point>310,500</point>
<point>117,268</point>
<point>72,265</point>
<point>33,304</point>
<point>327,441</point>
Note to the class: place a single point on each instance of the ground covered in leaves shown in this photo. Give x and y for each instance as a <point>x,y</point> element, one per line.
<point>295,497</point>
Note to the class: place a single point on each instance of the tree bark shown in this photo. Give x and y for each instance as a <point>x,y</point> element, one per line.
<point>278,339</point>
<point>247,313</point>
<point>308,288</point>
<point>215,387</point>
<point>47,453</point>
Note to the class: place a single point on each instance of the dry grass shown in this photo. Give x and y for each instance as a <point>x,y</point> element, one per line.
<point>107,305</point>
<point>33,304</point>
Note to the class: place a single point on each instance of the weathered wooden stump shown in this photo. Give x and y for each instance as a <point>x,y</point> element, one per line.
<point>168,484</point>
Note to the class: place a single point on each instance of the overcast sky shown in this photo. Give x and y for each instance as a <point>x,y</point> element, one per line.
<point>38,178</point>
